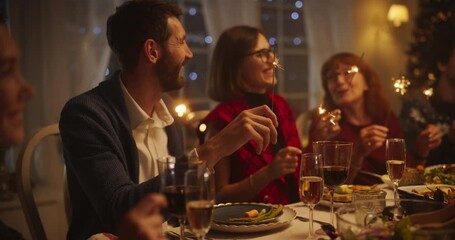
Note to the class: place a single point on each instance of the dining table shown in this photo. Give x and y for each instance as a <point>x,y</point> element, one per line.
<point>297,228</point>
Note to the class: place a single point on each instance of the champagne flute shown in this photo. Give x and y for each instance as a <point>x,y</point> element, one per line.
<point>311,184</point>
<point>172,176</point>
<point>336,158</point>
<point>395,157</point>
<point>200,203</point>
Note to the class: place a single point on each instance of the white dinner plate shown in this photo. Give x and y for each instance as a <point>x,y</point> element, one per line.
<point>427,169</point>
<point>283,220</point>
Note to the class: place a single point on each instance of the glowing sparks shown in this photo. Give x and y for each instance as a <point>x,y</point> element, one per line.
<point>401,84</point>
<point>277,64</point>
<point>332,119</point>
<point>332,115</point>
<point>353,69</point>
<point>321,110</point>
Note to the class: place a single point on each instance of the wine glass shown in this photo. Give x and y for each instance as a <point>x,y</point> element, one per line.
<point>336,158</point>
<point>200,200</point>
<point>311,184</point>
<point>172,176</point>
<point>395,157</point>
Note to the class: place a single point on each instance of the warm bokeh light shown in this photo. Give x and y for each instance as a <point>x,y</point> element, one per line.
<point>181,109</point>
<point>398,14</point>
<point>202,127</point>
<point>428,92</point>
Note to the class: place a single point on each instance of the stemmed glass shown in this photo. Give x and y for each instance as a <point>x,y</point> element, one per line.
<point>336,158</point>
<point>200,200</point>
<point>172,176</point>
<point>311,184</point>
<point>395,157</point>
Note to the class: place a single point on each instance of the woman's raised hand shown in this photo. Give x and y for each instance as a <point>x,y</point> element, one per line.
<point>429,139</point>
<point>285,162</point>
<point>371,138</point>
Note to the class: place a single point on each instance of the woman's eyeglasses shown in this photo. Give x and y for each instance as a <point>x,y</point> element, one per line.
<point>266,55</point>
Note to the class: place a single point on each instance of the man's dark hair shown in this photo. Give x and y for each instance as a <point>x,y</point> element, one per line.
<point>133,23</point>
<point>440,47</point>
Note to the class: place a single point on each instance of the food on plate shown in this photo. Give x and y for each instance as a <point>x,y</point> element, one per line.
<point>343,193</point>
<point>442,174</point>
<point>440,193</point>
<point>412,176</point>
<point>253,213</point>
<point>263,216</point>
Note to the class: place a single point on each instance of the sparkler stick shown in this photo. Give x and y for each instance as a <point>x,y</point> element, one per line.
<point>276,64</point>
<point>273,71</point>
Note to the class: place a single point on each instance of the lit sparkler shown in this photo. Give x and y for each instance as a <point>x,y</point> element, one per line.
<point>332,115</point>
<point>321,109</point>
<point>277,64</point>
<point>353,69</point>
<point>401,84</point>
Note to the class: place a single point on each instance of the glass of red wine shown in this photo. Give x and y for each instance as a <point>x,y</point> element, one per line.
<point>395,157</point>
<point>172,177</point>
<point>200,201</point>
<point>311,185</point>
<point>336,158</point>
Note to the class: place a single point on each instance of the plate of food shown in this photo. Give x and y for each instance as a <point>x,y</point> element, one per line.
<point>250,217</point>
<point>440,174</point>
<point>342,194</point>
<point>429,191</point>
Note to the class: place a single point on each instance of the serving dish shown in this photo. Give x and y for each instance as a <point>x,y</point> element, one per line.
<point>419,191</point>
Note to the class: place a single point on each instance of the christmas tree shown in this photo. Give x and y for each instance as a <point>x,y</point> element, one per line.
<point>435,16</point>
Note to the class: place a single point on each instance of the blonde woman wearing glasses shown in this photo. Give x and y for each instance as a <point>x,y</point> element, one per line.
<point>241,74</point>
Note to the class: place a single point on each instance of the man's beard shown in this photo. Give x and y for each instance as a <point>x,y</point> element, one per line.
<point>169,74</point>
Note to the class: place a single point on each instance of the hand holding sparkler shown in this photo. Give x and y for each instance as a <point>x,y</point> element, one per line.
<point>326,124</point>
<point>429,139</point>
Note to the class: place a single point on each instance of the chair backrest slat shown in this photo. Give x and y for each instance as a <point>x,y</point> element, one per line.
<point>24,184</point>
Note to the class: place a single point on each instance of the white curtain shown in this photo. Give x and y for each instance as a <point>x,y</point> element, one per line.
<point>64,53</point>
<point>221,14</point>
<point>329,29</point>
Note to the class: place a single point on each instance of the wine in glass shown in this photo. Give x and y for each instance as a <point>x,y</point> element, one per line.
<point>395,157</point>
<point>311,184</point>
<point>172,176</point>
<point>200,204</point>
<point>336,158</point>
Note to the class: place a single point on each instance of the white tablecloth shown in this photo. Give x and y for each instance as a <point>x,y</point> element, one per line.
<point>295,230</point>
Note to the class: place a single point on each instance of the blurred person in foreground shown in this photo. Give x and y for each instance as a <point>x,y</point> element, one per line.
<point>14,93</point>
<point>113,134</point>
<point>429,122</point>
<point>142,222</point>
<point>241,72</point>
<point>366,118</point>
